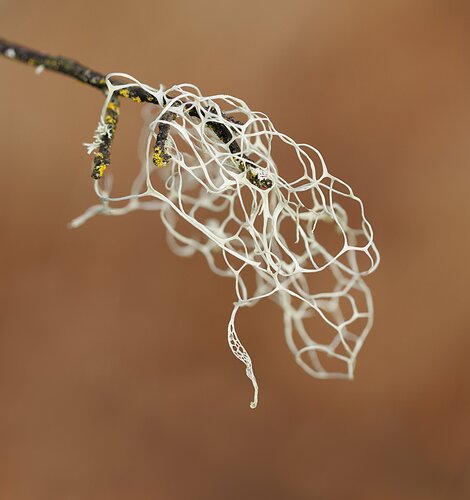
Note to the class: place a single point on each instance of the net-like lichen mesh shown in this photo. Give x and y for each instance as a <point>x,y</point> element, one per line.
<point>304,242</point>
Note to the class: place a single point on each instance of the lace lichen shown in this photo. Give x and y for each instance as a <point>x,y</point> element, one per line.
<point>239,204</point>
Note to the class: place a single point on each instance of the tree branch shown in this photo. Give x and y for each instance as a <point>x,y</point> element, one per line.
<point>105,138</point>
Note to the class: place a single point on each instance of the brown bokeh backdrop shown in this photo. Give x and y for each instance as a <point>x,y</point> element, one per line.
<point>116,381</point>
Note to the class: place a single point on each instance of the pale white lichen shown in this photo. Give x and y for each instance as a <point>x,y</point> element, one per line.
<point>304,242</point>
<point>101,130</point>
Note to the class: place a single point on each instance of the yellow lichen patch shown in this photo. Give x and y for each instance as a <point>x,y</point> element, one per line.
<point>109,119</point>
<point>113,107</point>
<point>158,159</point>
<point>124,92</point>
<point>99,155</point>
<point>137,99</point>
<point>101,169</point>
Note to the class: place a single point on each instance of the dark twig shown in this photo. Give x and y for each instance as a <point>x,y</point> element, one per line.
<point>160,154</point>
<point>103,154</point>
<point>101,160</point>
<point>53,63</point>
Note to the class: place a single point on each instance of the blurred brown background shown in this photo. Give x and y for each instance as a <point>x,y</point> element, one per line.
<point>116,381</point>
